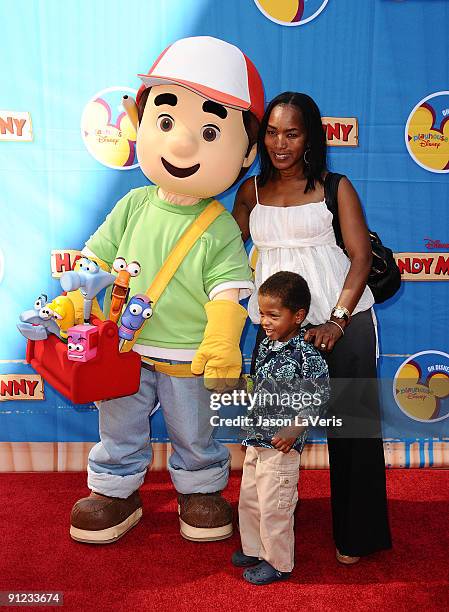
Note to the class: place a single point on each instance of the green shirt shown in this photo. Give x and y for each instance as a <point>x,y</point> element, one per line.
<point>142,227</point>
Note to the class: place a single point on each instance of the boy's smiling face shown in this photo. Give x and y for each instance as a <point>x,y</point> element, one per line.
<point>279,322</point>
<point>189,145</point>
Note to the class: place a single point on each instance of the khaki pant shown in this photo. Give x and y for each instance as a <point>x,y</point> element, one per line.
<point>268,496</point>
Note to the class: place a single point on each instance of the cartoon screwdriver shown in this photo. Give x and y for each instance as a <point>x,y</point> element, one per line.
<point>136,314</point>
<point>120,288</point>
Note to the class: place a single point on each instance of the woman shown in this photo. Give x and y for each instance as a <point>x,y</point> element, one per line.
<point>284,210</point>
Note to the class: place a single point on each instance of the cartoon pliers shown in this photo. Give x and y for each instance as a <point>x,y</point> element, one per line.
<point>120,288</point>
<point>37,323</point>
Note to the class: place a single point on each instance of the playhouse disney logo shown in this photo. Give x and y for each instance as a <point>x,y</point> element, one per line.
<point>421,386</point>
<point>107,131</point>
<point>427,132</point>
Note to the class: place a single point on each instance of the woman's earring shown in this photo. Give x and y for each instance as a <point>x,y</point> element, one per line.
<point>306,159</point>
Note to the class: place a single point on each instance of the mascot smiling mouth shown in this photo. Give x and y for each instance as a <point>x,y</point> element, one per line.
<point>179,172</point>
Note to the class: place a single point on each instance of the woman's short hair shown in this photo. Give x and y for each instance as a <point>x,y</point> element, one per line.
<point>291,288</point>
<point>316,140</point>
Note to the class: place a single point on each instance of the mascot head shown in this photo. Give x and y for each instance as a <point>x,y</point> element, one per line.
<point>199,110</point>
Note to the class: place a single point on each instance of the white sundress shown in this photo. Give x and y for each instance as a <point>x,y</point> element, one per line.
<point>301,239</point>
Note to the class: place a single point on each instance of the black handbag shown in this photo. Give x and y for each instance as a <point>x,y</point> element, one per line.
<point>385,278</point>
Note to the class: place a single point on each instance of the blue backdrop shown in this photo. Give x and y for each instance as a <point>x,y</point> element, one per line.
<point>375,60</point>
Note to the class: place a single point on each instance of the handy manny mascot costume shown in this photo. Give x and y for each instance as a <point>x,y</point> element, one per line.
<point>197,114</point>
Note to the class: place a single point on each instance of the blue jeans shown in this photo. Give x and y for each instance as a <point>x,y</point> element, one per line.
<point>118,463</point>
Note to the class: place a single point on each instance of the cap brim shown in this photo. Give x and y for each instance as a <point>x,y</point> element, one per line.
<point>202,90</point>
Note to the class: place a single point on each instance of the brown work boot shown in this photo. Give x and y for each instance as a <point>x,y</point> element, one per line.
<point>99,519</point>
<point>204,517</point>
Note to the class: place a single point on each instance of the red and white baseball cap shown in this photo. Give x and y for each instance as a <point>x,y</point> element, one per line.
<point>211,67</point>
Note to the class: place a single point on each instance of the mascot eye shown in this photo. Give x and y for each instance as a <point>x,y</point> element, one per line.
<point>210,133</point>
<point>79,348</point>
<point>71,346</point>
<point>83,263</point>
<point>40,302</point>
<point>44,313</point>
<point>165,123</point>
<point>146,314</point>
<point>92,267</point>
<point>133,268</point>
<point>135,309</point>
<point>119,264</point>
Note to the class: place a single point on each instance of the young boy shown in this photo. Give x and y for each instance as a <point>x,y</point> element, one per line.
<point>293,374</point>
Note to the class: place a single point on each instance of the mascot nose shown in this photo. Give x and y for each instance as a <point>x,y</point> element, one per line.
<point>183,144</point>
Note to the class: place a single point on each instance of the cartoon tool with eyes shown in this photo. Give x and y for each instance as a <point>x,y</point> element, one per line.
<point>63,312</point>
<point>82,343</point>
<point>136,313</point>
<point>90,279</point>
<point>38,322</point>
<point>197,117</point>
<point>120,288</point>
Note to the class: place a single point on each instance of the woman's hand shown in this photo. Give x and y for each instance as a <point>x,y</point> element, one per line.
<point>324,336</point>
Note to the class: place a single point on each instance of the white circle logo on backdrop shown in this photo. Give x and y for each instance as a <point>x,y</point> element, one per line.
<point>107,131</point>
<point>427,133</point>
<point>291,12</point>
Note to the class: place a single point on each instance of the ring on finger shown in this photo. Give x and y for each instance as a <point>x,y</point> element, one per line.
<point>322,345</point>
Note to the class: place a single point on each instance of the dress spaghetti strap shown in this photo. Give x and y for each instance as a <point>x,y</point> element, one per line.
<point>255,187</point>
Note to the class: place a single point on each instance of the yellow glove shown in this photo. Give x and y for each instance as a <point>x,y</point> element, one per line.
<point>218,355</point>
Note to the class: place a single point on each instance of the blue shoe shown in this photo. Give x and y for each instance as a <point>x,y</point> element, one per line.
<point>264,573</point>
<point>239,559</point>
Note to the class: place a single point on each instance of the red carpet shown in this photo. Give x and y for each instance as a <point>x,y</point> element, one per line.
<point>153,568</point>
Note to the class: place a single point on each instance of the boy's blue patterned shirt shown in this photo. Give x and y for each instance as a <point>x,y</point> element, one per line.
<point>292,370</point>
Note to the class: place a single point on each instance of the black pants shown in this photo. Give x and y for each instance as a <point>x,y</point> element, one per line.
<point>356,456</point>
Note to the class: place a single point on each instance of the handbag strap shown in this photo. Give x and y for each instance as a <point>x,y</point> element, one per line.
<point>331,183</point>
<point>176,257</point>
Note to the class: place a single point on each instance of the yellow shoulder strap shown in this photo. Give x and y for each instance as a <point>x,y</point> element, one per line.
<point>176,257</point>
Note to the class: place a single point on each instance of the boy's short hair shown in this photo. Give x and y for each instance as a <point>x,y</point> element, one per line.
<point>291,288</point>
